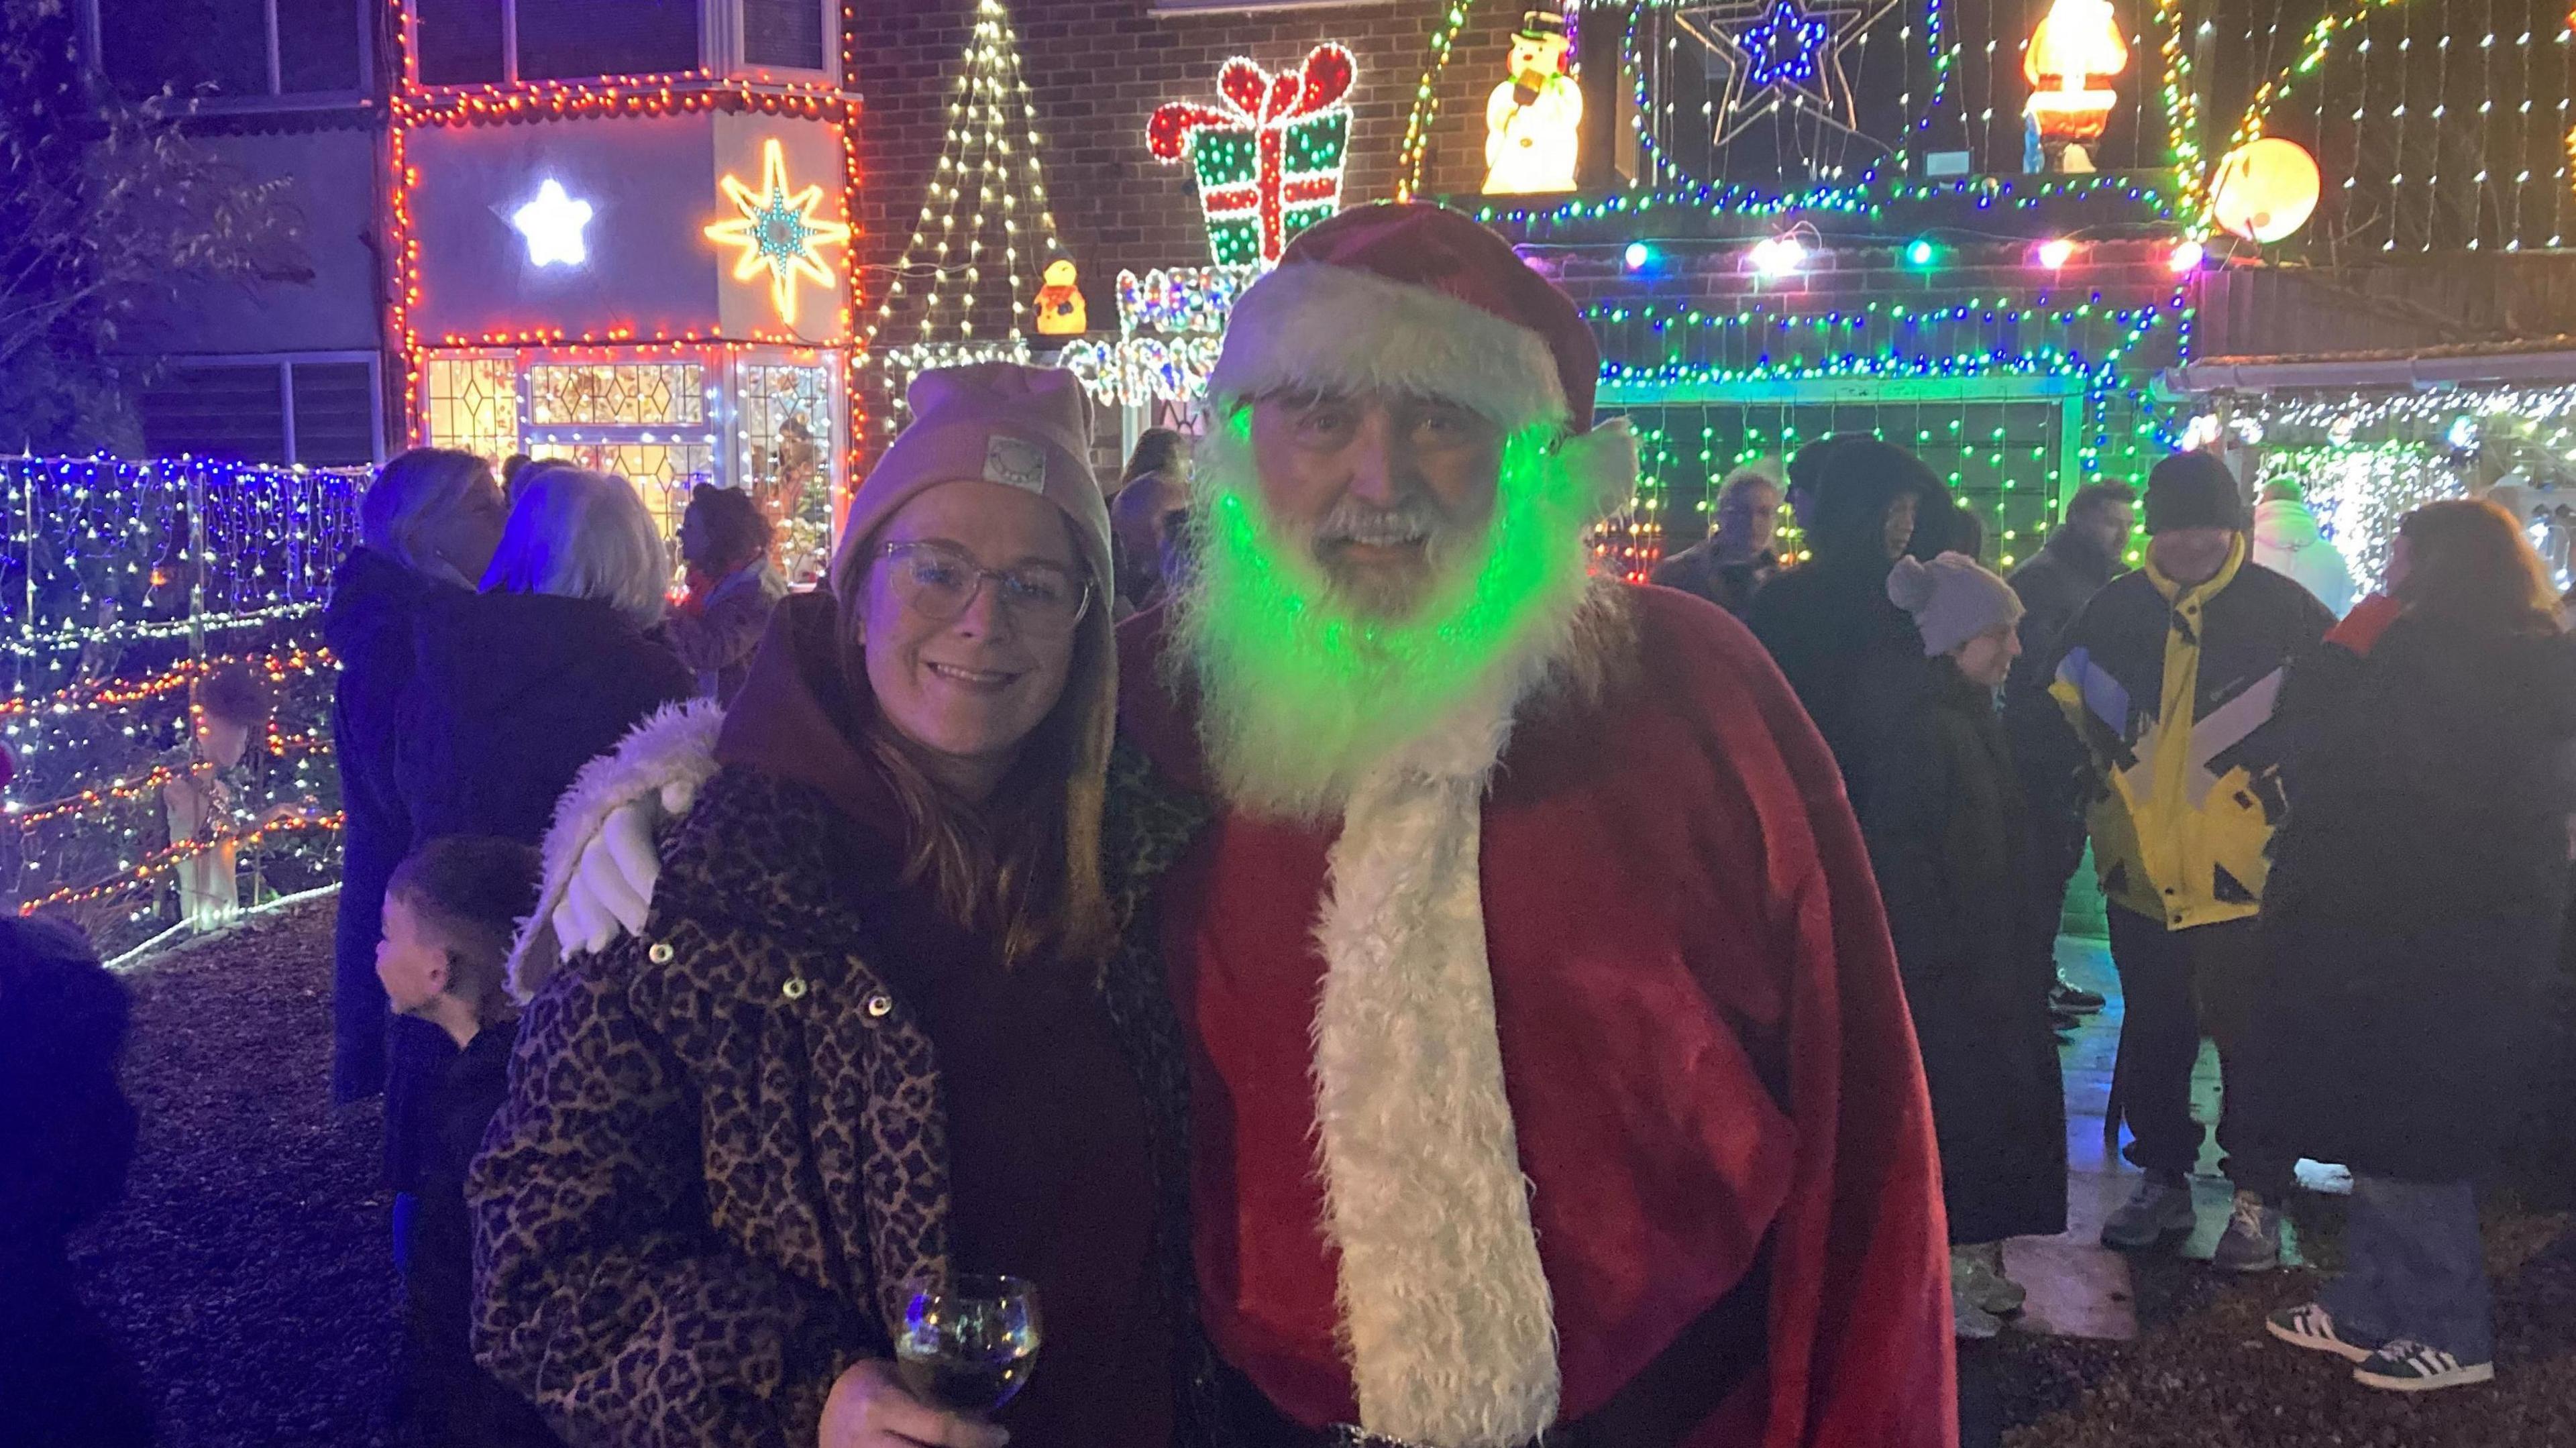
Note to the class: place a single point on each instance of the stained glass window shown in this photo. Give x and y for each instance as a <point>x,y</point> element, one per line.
<point>474,405</point>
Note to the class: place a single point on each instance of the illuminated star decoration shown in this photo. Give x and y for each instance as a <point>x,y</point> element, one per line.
<point>1782,54</point>
<point>1784,44</point>
<point>778,232</point>
<point>553,224</point>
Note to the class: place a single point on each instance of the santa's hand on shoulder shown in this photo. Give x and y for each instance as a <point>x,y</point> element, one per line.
<point>610,892</point>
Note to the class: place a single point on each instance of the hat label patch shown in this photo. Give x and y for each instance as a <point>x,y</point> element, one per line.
<point>1015,462</point>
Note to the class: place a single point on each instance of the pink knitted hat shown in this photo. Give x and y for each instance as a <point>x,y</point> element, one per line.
<point>998,422</point>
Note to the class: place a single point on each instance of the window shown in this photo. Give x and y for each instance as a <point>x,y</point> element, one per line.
<point>783,33</point>
<point>232,50</point>
<point>322,411</point>
<point>472,42</point>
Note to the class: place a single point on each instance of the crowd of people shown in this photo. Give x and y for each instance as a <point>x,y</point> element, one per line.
<point>1378,983</point>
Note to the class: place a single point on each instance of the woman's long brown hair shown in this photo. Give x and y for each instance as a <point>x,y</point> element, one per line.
<point>2468,562</point>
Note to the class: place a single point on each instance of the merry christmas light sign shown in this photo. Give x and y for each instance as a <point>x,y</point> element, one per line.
<point>1269,159</point>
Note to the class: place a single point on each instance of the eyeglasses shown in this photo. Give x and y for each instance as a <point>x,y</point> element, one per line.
<point>939,582</point>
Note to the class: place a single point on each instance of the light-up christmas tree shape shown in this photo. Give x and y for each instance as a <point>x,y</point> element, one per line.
<point>985,212</point>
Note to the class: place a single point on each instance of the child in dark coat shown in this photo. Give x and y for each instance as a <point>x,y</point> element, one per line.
<point>450,911</point>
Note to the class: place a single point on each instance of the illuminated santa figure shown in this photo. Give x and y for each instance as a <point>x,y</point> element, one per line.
<point>1533,121</point>
<point>2073,56</point>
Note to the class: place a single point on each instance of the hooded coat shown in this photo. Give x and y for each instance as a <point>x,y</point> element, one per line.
<point>732,1139</point>
<point>1950,840</point>
<point>512,694</point>
<point>1828,623</point>
<point>2288,541</point>
<point>2412,919</point>
<point>369,623</point>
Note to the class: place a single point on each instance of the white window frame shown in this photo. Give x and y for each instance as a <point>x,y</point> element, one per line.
<point>720,47</point>
<point>93,34</point>
<point>285,362</point>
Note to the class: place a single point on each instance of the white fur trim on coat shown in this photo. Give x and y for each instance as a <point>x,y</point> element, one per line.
<point>1314,326</point>
<point>1445,1310</point>
<point>674,748</point>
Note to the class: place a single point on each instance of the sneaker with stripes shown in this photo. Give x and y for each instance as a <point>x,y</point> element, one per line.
<point>2407,1366</point>
<point>2311,1326</point>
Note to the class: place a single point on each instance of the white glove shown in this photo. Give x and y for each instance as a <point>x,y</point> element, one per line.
<point>610,892</point>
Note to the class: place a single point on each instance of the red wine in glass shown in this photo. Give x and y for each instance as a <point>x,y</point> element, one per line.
<point>969,1342</point>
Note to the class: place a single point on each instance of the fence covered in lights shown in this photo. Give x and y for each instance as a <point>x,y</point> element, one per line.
<point>121,585</point>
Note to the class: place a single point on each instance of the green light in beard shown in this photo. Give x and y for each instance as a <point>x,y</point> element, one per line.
<point>1306,692</point>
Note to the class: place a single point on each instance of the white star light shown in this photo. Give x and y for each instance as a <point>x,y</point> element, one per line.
<point>552,224</point>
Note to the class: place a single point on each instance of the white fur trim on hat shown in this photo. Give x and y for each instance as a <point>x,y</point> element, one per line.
<point>1316,326</point>
<point>1605,459</point>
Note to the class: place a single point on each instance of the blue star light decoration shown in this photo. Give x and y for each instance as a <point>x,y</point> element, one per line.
<point>1782,55</point>
<point>1783,45</point>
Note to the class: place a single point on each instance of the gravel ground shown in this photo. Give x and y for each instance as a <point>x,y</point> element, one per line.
<point>250,1268</point>
<point>249,1271</point>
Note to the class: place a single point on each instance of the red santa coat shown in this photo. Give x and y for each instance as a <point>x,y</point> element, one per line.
<point>1709,1068</point>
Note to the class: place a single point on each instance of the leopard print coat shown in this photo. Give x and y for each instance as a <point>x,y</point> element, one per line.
<point>722,1154</point>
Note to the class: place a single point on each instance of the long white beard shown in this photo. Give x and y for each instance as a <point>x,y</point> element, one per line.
<point>1301,695</point>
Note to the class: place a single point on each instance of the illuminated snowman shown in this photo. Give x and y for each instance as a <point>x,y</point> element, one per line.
<point>1533,121</point>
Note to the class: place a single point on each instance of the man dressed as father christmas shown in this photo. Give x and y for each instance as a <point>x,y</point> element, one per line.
<point>1540,1050</point>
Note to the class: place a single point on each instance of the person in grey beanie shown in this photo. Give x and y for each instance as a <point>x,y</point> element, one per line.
<point>1949,837</point>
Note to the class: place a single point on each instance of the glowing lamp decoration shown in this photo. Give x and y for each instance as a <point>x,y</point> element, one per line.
<point>1921,252</point>
<point>1269,157</point>
<point>1534,119</point>
<point>778,232</point>
<point>1777,256</point>
<point>2056,252</point>
<point>2074,55</point>
<point>552,225</point>
<point>2186,257</point>
<point>2265,190</point>
<point>1636,255</point>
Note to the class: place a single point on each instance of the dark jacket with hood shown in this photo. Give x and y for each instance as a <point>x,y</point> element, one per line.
<point>514,693</point>
<point>510,695</point>
<point>1828,623</point>
<point>1949,838</point>
<point>369,625</point>
<point>731,1139</point>
<point>2053,589</point>
<point>2412,917</point>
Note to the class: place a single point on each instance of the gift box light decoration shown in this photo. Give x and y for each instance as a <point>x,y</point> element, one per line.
<point>986,207</point>
<point>1269,158</point>
<point>1534,118</point>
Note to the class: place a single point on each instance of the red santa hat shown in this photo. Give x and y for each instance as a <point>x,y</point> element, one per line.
<point>1407,297</point>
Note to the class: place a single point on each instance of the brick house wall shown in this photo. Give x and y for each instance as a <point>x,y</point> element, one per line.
<point>1096,70</point>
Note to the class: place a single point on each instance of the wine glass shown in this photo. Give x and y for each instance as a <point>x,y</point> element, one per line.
<point>968,1341</point>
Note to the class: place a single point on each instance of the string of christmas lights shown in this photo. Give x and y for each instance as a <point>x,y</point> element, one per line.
<point>984,191</point>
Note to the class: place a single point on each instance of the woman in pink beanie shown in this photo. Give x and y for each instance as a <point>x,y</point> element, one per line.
<point>1948,834</point>
<point>854,1047</point>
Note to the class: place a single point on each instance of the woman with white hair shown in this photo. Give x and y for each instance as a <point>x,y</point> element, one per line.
<point>428,526</point>
<point>517,687</point>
